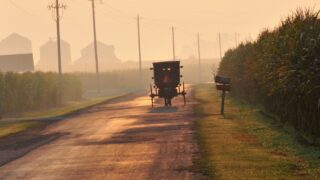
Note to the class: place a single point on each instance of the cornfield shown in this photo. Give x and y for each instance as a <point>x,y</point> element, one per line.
<point>36,91</point>
<point>281,71</point>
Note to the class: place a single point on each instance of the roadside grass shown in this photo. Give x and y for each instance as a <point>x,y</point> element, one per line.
<point>13,128</point>
<point>28,120</point>
<point>245,144</point>
<point>67,108</point>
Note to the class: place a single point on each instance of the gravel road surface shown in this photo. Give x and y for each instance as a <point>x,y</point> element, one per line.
<point>122,139</point>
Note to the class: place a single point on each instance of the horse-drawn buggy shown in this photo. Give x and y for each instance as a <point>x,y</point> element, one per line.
<point>167,82</point>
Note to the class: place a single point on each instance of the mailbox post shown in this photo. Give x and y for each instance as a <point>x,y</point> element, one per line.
<point>223,84</point>
<point>222,102</point>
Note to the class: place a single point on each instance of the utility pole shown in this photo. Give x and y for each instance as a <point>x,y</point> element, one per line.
<point>250,37</point>
<point>220,49</point>
<point>236,39</point>
<point>56,8</point>
<point>173,44</point>
<point>139,45</point>
<point>95,44</point>
<point>199,56</point>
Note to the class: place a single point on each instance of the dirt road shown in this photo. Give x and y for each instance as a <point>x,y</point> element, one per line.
<point>124,139</point>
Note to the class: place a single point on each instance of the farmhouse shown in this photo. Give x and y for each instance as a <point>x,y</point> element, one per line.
<point>48,56</point>
<point>15,44</point>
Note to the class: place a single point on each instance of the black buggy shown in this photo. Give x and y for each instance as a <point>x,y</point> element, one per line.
<point>167,81</point>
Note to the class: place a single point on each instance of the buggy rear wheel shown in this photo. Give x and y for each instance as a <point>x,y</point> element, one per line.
<point>169,102</point>
<point>184,94</point>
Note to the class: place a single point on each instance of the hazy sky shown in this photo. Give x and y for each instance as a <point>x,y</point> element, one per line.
<point>117,25</point>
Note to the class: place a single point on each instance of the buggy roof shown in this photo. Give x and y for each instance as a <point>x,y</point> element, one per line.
<point>165,62</point>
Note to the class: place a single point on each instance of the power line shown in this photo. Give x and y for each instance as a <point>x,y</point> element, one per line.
<point>19,8</point>
<point>33,14</point>
<point>121,16</point>
<point>117,10</point>
<point>126,15</point>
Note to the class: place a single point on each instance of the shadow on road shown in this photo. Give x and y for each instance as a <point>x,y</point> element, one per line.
<point>139,135</point>
<point>167,131</point>
<point>164,110</point>
<point>18,145</point>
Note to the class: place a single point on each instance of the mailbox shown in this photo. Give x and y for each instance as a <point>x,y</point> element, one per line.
<point>223,87</point>
<point>222,80</point>
<point>223,84</point>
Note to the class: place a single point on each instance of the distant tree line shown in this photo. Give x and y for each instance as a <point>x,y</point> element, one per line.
<point>21,92</point>
<point>120,79</point>
<point>132,79</point>
<point>281,71</point>
<point>32,91</point>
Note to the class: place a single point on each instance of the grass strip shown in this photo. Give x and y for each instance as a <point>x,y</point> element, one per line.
<point>244,144</point>
<point>10,126</point>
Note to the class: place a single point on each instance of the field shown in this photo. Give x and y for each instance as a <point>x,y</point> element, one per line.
<point>280,71</point>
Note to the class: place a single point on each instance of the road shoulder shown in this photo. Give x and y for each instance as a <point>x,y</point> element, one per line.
<point>243,145</point>
<point>25,134</point>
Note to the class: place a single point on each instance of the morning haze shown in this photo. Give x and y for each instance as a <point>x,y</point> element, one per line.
<point>117,26</point>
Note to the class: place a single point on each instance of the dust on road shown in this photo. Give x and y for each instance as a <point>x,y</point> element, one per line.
<point>125,139</point>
